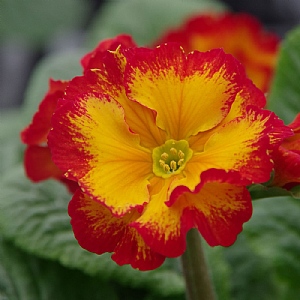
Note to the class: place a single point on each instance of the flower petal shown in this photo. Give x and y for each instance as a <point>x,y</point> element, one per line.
<point>36,133</point>
<point>108,79</point>
<point>287,168</point>
<point>159,225</point>
<point>183,89</point>
<point>217,207</point>
<point>39,165</point>
<point>257,52</point>
<point>92,143</point>
<point>293,142</point>
<point>98,231</point>
<point>93,59</point>
<point>287,159</point>
<point>249,95</point>
<point>243,145</point>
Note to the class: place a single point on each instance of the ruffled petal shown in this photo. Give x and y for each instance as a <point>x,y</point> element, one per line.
<point>92,143</point>
<point>189,93</point>
<point>249,95</point>
<point>217,207</point>
<point>293,142</point>
<point>287,168</point>
<point>108,79</point>
<point>243,145</point>
<point>36,132</point>
<point>98,231</point>
<point>159,225</point>
<point>287,159</point>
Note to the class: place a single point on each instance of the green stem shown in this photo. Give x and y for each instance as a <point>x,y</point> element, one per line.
<point>197,278</point>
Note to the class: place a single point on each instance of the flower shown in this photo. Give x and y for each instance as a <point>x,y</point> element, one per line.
<point>161,141</point>
<point>287,159</point>
<point>238,34</point>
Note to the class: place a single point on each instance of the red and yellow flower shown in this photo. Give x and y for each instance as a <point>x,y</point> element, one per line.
<point>161,141</point>
<point>238,34</point>
<point>287,159</point>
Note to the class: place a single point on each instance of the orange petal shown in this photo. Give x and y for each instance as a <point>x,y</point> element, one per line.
<point>243,145</point>
<point>98,231</point>
<point>189,93</point>
<point>92,143</point>
<point>217,207</point>
<point>108,79</point>
<point>287,168</point>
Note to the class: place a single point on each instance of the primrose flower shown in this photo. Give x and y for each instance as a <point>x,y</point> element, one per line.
<point>238,34</point>
<point>287,159</point>
<point>161,141</point>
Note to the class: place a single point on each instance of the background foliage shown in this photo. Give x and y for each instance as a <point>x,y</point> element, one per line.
<point>39,257</point>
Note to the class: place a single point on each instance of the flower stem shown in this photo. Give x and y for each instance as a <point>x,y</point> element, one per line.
<point>197,278</point>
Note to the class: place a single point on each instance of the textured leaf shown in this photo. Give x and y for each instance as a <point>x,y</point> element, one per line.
<point>35,21</point>
<point>11,150</point>
<point>284,97</point>
<point>265,260</point>
<point>35,217</point>
<point>25,277</point>
<point>143,19</point>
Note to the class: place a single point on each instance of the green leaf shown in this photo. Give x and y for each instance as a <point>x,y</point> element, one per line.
<point>265,260</point>
<point>11,150</point>
<point>35,217</point>
<point>64,66</point>
<point>284,97</point>
<point>25,277</point>
<point>36,21</point>
<point>143,19</point>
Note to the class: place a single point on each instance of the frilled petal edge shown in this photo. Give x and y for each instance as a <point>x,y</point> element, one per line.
<point>98,231</point>
<point>92,143</point>
<point>217,208</point>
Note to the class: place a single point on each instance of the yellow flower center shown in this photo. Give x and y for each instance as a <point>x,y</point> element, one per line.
<point>170,158</point>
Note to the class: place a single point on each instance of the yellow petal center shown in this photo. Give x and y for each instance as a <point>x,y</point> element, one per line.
<point>170,158</point>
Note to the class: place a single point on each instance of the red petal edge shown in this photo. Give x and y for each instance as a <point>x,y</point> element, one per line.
<point>98,231</point>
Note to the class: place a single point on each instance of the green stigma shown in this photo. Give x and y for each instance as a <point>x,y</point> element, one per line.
<point>170,158</point>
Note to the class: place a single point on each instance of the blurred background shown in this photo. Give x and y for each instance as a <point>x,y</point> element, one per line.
<point>33,29</point>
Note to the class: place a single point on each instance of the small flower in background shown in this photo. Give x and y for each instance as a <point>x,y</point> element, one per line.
<point>287,159</point>
<point>238,34</point>
<point>161,141</point>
